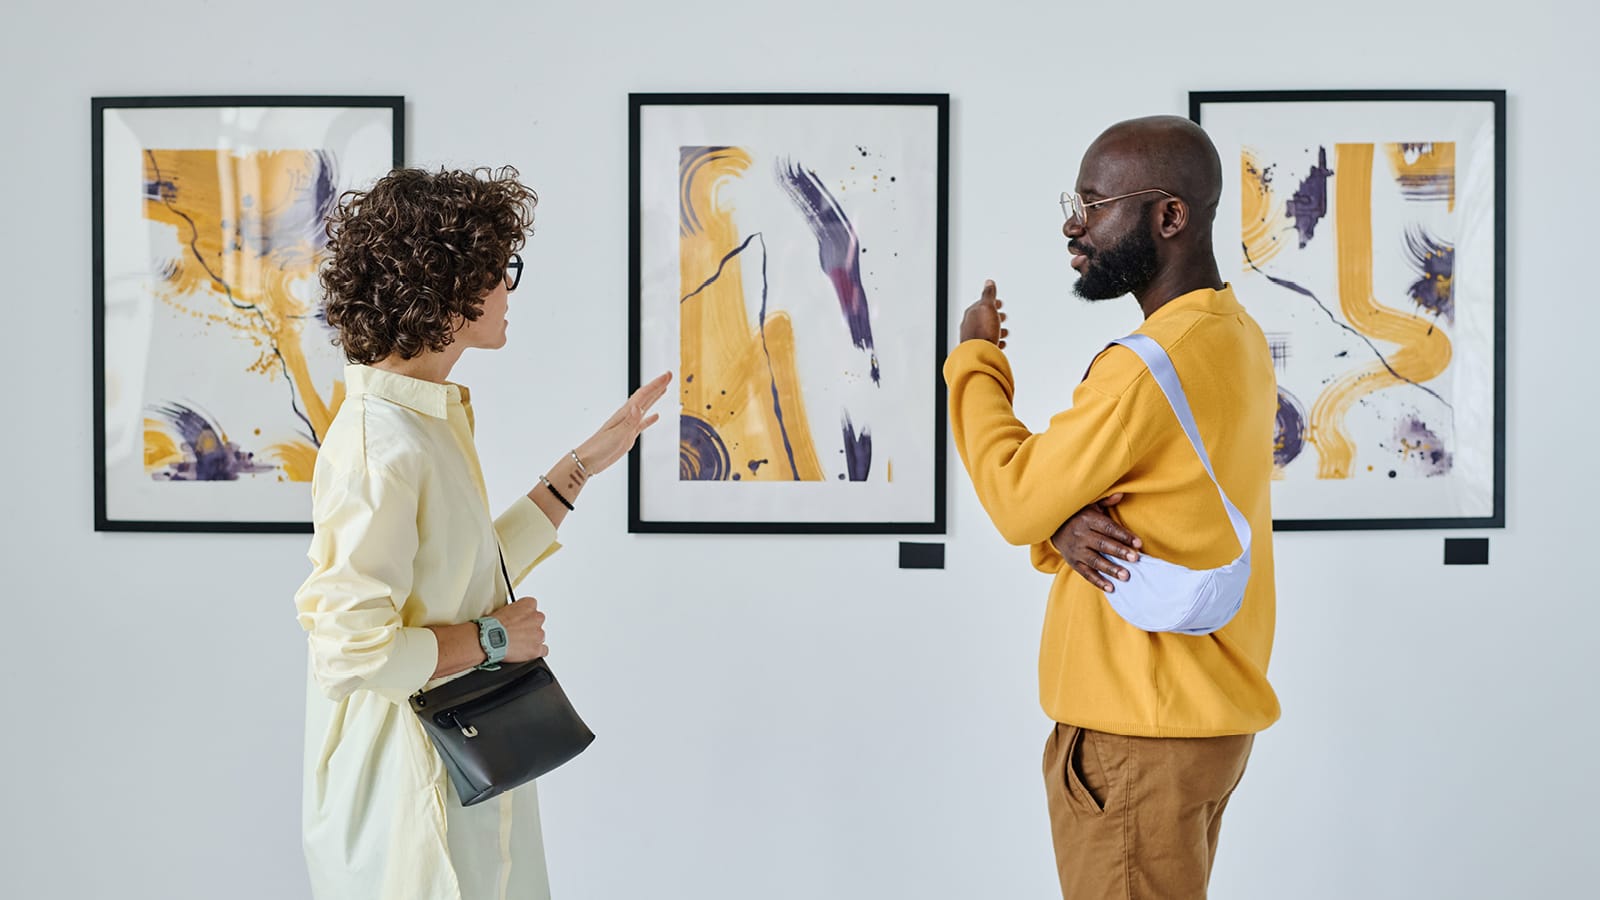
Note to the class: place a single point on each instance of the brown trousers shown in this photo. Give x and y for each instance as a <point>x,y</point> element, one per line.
<point>1137,818</point>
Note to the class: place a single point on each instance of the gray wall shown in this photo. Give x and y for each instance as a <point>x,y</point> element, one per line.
<point>763,734</point>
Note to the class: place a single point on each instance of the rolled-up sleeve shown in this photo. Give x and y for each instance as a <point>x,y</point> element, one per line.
<point>526,535</point>
<point>363,548</point>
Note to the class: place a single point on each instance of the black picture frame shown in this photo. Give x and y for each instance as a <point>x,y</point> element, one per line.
<point>940,103</point>
<point>1201,101</point>
<point>105,518</point>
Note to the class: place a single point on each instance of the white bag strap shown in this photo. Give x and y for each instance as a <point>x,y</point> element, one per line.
<point>1160,365</point>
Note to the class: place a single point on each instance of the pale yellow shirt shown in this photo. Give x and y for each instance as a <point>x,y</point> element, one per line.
<point>403,540</point>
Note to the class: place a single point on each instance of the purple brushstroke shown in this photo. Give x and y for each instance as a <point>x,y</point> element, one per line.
<point>857,450</point>
<point>1435,261</point>
<point>1419,444</point>
<point>838,250</point>
<point>207,456</point>
<point>702,456</point>
<point>1310,203</point>
<point>772,377</point>
<point>1289,438</point>
<point>721,265</point>
<point>1424,188</point>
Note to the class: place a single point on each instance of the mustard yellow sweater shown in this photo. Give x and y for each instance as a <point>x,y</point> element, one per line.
<point>1096,670</point>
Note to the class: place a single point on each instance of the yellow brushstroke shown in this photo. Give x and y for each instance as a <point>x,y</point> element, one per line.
<point>1256,212</point>
<point>1423,351</point>
<point>160,450</point>
<point>1435,161</point>
<point>734,370</point>
<point>891,471</point>
<point>298,459</point>
<point>217,197</point>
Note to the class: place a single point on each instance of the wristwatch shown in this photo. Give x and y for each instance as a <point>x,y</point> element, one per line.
<point>492,637</point>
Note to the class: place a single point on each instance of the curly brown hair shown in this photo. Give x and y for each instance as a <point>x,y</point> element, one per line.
<point>411,258</point>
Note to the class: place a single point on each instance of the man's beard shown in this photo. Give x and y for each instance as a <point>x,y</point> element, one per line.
<point>1126,267</point>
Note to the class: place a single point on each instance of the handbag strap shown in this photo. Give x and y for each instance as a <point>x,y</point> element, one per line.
<point>1160,365</point>
<point>511,592</point>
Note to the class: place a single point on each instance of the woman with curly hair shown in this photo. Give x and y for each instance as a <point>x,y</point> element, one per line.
<point>406,588</point>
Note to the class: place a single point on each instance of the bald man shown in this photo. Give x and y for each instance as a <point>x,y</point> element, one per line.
<point>1152,728</point>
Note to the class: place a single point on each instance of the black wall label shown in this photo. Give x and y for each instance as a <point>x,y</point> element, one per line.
<point>1466,551</point>
<point>921,556</point>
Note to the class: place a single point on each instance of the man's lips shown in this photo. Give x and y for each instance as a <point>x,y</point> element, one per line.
<point>1078,257</point>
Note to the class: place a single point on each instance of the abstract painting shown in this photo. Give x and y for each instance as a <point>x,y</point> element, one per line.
<point>788,264</point>
<point>215,378</point>
<point>1365,231</point>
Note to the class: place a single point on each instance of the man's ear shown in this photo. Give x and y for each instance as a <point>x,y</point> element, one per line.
<point>1174,217</point>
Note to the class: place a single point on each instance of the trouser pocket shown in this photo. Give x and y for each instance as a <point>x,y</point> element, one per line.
<point>1076,768</point>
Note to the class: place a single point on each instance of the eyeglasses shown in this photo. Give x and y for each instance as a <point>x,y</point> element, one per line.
<point>1072,205</point>
<point>513,271</point>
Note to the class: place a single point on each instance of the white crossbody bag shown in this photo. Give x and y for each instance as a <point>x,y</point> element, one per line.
<point>1162,596</point>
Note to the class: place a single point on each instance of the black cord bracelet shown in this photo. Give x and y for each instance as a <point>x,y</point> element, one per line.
<point>564,501</point>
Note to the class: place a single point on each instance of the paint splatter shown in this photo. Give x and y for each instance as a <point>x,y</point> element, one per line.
<point>1259,225</point>
<point>1310,203</point>
<point>756,464</point>
<point>1289,432</point>
<point>858,450</point>
<point>1435,261</point>
<point>1422,447</point>
<point>838,250</point>
<point>702,456</point>
<point>206,454</point>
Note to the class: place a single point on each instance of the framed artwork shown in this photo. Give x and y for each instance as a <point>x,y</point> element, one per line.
<point>214,376</point>
<point>1365,232</point>
<point>788,263</point>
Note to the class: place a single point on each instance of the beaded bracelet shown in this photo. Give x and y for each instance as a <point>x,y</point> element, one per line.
<point>564,501</point>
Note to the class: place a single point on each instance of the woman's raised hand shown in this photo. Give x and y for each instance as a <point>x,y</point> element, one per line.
<point>617,436</point>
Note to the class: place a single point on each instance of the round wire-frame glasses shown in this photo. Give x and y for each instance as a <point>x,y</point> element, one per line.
<point>1073,207</point>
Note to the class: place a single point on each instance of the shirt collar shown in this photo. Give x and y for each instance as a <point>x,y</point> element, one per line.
<point>427,397</point>
<point>1220,302</point>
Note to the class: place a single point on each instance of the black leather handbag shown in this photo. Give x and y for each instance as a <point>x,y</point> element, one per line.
<point>496,729</point>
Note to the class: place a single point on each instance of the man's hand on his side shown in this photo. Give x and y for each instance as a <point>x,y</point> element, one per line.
<point>1086,539</point>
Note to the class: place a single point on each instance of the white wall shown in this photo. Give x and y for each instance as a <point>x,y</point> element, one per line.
<point>764,734</point>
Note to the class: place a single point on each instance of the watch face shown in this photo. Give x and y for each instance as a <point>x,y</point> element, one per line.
<point>497,638</point>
